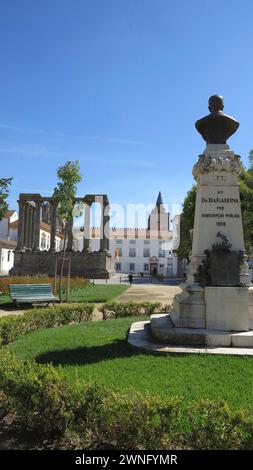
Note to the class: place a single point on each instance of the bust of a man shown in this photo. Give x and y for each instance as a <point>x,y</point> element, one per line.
<point>217,127</point>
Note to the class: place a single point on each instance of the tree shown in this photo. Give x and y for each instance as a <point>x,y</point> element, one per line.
<point>186,223</point>
<point>4,193</point>
<point>64,194</point>
<point>246,196</point>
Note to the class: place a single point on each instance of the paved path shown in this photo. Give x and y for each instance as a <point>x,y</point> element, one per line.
<point>149,293</point>
<point>137,293</point>
<point>5,313</point>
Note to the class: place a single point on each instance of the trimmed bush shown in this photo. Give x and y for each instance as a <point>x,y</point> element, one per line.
<point>38,395</point>
<point>212,425</point>
<point>93,417</point>
<point>75,282</point>
<point>13,326</point>
<point>131,309</point>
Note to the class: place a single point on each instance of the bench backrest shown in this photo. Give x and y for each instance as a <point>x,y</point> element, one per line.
<point>30,290</point>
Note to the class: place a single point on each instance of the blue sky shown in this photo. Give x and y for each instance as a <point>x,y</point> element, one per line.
<point>118,86</point>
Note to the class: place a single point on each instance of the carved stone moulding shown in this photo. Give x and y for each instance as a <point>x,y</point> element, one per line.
<point>210,163</point>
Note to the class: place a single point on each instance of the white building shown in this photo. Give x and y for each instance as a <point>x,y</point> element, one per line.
<point>8,239</point>
<point>147,251</point>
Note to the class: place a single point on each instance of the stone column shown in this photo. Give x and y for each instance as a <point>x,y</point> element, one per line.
<point>70,235</point>
<point>36,237</point>
<point>26,227</point>
<point>21,226</point>
<point>29,230</point>
<point>104,241</point>
<point>32,225</point>
<point>53,210</point>
<point>86,234</point>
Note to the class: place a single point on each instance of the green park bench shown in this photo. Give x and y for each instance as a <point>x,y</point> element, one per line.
<point>32,293</point>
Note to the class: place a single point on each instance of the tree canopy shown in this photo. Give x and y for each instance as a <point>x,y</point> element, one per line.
<point>65,192</point>
<point>4,193</point>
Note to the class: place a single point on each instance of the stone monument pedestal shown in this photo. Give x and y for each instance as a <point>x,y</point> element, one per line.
<point>227,308</point>
<point>215,308</point>
<point>215,296</point>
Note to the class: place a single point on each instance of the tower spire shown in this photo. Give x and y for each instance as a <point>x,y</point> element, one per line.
<point>159,200</point>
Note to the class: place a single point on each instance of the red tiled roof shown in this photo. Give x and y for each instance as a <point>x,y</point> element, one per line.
<point>8,214</point>
<point>10,244</point>
<point>43,226</point>
<point>14,224</point>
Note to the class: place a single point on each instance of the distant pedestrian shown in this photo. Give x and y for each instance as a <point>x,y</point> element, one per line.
<point>130,278</point>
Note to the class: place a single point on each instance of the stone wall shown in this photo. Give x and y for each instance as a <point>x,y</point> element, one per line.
<point>97,264</point>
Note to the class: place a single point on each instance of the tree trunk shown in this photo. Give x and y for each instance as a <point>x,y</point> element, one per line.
<point>62,264</point>
<point>68,288</point>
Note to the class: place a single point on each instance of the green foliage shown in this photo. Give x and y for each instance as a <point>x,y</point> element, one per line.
<point>131,309</point>
<point>98,351</point>
<point>39,396</point>
<point>91,415</point>
<point>94,417</point>
<point>65,192</point>
<point>246,197</point>
<point>13,326</point>
<point>97,293</point>
<point>138,421</point>
<point>5,281</point>
<point>214,426</point>
<point>187,223</point>
<point>4,193</point>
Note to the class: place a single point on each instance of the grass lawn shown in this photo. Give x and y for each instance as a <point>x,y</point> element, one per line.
<point>97,293</point>
<point>98,351</point>
<point>5,299</point>
<point>90,293</point>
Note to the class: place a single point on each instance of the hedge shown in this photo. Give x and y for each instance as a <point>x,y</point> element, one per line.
<point>75,282</point>
<point>129,309</point>
<point>13,326</point>
<point>90,416</point>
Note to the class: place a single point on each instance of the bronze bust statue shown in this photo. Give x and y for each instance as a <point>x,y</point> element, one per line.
<point>217,127</point>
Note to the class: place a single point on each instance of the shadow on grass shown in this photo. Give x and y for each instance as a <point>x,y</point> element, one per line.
<point>87,355</point>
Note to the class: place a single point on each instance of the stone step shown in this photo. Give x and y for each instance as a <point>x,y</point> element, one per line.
<point>140,339</point>
<point>163,330</point>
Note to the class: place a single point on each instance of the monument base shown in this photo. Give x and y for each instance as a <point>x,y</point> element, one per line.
<point>140,339</point>
<point>227,308</point>
<point>162,329</point>
<point>189,307</point>
<point>96,264</point>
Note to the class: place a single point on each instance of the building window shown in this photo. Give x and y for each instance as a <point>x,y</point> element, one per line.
<point>146,253</point>
<point>43,241</point>
<point>132,252</point>
<point>119,251</point>
<point>146,242</point>
<point>132,242</point>
<point>9,255</point>
<point>118,242</point>
<point>118,267</point>
<point>161,253</point>
<point>132,267</point>
<point>145,267</point>
<point>161,266</point>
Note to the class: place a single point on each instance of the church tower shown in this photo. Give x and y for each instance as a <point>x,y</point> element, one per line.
<point>159,219</point>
